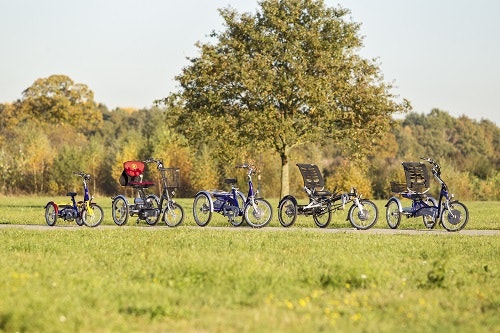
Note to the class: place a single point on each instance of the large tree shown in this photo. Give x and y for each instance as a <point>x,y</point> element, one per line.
<point>285,76</point>
<point>57,99</point>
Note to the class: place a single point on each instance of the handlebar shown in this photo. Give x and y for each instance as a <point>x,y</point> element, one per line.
<point>251,168</point>
<point>435,166</point>
<point>159,163</point>
<point>82,174</point>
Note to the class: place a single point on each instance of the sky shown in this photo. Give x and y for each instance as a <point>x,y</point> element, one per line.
<point>436,53</point>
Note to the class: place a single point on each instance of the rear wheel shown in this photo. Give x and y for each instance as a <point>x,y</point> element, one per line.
<point>119,211</point>
<point>430,220</point>
<point>152,202</point>
<point>93,216</point>
<point>238,220</point>
<point>51,214</point>
<point>201,209</point>
<point>322,216</point>
<point>287,212</point>
<point>173,215</point>
<point>392,214</point>
<point>366,217</point>
<point>259,213</point>
<point>456,217</point>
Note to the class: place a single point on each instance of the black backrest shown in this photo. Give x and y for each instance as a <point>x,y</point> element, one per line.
<point>417,176</point>
<point>312,176</point>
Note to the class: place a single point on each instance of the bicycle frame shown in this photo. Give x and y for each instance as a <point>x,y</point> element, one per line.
<point>257,212</point>
<point>78,211</point>
<point>150,208</point>
<point>428,207</point>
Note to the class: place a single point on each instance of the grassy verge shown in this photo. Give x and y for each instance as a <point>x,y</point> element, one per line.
<point>241,280</point>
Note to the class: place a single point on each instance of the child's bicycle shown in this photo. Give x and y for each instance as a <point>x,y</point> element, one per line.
<point>83,212</point>
<point>148,207</point>
<point>452,214</point>
<point>362,214</point>
<point>257,212</point>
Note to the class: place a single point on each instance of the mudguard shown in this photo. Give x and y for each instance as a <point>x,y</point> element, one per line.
<point>56,206</point>
<point>400,206</point>
<point>210,199</point>
<point>286,197</point>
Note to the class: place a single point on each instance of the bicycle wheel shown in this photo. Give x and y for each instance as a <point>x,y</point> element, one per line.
<point>366,217</point>
<point>392,214</point>
<point>322,216</point>
<point>93,216</point>
<point>51,214</point>
<point>173,215</point>
<point>238,220</point>
<point>430,220</point>
<point>119,211</point>
<point>456,217</point>
<point>201,209</point>
<point>259,213</point>
<point>152,202</point>
<point>287,212</point>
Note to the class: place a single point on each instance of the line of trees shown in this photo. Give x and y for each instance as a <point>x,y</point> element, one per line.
<point>278,87</point>
<point>39,153</point>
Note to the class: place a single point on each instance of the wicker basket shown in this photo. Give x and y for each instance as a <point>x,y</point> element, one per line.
<point>171,177</point>
<point>398,187</point>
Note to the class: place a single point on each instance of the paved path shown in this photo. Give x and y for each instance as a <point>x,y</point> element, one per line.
<point>376,231</point>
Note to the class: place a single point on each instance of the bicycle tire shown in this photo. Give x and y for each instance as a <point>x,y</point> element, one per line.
<point>322,216</point>
<point>119,211</point>
<point>152,201</point>
<point>392,214</point>
<point>51,214</point>
<point>259,214</point>
<point>364,219</point>
<point>201,209</point>
<point>429,220</point>
<point>173,214</point>
<point>456,218</point>
<point>241,217</point>
<point>287,212</point>
<point>95,218</point>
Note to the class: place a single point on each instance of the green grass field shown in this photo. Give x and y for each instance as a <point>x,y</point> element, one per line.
<point>192,279</point>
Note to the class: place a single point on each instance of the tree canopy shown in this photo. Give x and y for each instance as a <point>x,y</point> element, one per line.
<point>286,76</point>
<point>59,100</point>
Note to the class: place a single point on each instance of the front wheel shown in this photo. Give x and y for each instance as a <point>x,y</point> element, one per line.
<point>93,216</point>
<point>392,214</point>
<point>201,209</point>
<point>456,217</point>
<point>119,211</point>
<point>173,215</point>
<point>366,217</point>
<point>51,214</point>
<point>259,213</point>
<point>287,212</point>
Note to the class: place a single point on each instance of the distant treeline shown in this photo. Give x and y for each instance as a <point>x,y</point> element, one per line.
<point>39,154</point>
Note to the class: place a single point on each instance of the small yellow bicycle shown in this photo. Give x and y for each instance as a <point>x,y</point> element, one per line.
<point>83,212</point>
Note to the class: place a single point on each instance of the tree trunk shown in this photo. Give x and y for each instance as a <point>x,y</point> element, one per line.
<point>285,188</point>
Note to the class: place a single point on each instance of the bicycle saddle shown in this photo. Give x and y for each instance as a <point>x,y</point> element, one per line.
<point>71,194</point>
<point>230,181</point>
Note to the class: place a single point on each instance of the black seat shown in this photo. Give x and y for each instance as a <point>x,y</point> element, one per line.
<point>313,180</point>
<point>417,177</point>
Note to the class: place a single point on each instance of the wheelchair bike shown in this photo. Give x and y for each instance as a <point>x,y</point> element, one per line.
<point>362,214</point>
<point>452,214</point>
<point>148,207</point>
